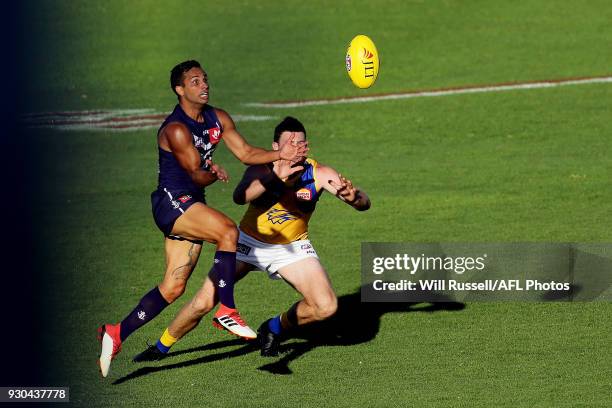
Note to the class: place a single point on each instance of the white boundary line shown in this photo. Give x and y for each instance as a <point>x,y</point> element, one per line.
<point>435,92</point>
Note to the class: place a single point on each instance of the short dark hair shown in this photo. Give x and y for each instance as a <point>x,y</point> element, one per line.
<point>289,124</point>
<point>177,73</point>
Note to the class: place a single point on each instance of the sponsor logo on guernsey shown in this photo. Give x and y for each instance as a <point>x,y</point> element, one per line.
<point>280,216</point>
<point>243,249</point>
<point>175,204</point>
<point>185,198</point>
<point>304,194</point>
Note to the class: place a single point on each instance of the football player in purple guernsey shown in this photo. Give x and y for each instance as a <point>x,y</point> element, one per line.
<point>186,142</point>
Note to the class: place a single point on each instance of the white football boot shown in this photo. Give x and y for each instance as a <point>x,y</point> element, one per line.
<point>108,335</point>
<point>230,320</point>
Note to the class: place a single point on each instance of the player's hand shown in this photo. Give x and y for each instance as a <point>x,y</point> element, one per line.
<point>218,171</point>
<point>345,190</point>
<point>285,172</point>
<point>293,151</point>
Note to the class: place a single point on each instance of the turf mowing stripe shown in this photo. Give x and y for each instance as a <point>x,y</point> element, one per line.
<point>117,119</point>
<point>94,121</point>
<point>436,92</point>
<point>116,112</point>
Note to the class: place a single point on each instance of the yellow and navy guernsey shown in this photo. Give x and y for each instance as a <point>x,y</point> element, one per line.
<point>281,217</point>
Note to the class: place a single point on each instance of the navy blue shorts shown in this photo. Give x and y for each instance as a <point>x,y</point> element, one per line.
<point>168,205</point>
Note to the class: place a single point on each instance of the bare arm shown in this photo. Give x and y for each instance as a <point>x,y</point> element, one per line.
<point>342,188</point>
<point>180,143</point>
<point>249,154</point>
<point>256,180</point>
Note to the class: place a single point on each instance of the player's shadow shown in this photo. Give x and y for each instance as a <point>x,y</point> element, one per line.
<point>354,323</point>
<point>247,347</point>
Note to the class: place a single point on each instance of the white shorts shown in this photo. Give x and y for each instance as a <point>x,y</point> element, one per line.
<point>271,257</point>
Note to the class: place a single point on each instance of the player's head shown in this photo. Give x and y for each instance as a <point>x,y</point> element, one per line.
<point>288,125</point>
<point>286,129</point>
<point>189,81</point>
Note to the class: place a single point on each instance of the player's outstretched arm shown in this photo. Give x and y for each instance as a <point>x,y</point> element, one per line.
<point>255,181</point>
<point>259,179</point>
<point>343,188</point>
<point>180,143</point>
<point>249,154</point>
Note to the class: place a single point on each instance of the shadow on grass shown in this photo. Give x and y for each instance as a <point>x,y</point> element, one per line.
<point>354,323</point>
<point>247,347</point>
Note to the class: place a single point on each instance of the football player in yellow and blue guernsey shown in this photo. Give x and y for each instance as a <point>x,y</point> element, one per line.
<point>273,237</point>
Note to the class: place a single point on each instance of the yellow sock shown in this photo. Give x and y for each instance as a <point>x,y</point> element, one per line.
<point>166,341</point>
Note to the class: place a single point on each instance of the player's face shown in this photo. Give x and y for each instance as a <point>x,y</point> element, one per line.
<point>195,86</point>
<point>298,140</point>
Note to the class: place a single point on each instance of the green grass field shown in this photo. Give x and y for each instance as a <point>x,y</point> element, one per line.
<point>524,165</point>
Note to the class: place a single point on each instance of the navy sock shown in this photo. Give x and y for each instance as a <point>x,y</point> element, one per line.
<point>150,306</point>
<point>274,324</point>
<point>225,269</point>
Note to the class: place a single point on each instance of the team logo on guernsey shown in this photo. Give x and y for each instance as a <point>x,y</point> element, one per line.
<point>214,134</point>
<point>280,216</point>
<point>304,194</point>
<point>185,198</point>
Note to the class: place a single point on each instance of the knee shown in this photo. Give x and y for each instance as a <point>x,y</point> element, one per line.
<point>202,303</point>
<point>326,308</point>
<point>228,235</point>
<point>172,291</point>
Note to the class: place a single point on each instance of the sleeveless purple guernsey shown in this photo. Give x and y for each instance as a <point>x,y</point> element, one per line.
<point>205,137</point>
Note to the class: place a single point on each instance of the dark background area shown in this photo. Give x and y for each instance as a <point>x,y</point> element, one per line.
<point>19,338</point>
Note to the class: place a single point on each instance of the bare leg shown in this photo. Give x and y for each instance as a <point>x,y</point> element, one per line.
<point>201,222</point>
<point>181,259</point>
<point>203,302</point>
<point>310,279</point>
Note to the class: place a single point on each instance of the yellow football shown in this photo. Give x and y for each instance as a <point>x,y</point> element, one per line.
<point>362,61</point>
